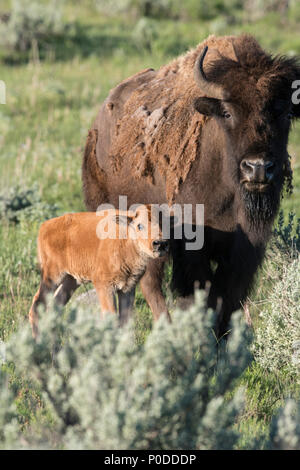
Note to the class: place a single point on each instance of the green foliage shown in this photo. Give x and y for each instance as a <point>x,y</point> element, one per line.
<point>140,8</point>
<point>283,249</point>
<point>294,11</point>
<point>102,389</point>
<point>31,21</point>
<point>193,9</point>
<point>287,237</point>
<point>51,105</point>
<point>107,391</point>
<point>256,9</point>
<point>8,414</point>
<point>285,428</point>
<point>145,33</point>
<point>17,204</point>
<point>277,344</point>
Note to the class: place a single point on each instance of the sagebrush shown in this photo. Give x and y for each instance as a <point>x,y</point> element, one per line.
<point>104,390</point>
<point>30,21</point>
<point>277,336</point>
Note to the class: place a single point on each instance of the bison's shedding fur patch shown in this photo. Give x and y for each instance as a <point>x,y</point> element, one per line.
<point>164,122</point>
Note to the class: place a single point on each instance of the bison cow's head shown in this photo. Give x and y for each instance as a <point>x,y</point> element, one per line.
<point>251,100</point>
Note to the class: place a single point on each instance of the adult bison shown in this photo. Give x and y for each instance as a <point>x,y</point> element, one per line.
<point>211,127</point>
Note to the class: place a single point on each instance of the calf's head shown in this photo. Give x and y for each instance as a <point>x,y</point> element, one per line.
<point>144,228</point>
<point>251,101</point>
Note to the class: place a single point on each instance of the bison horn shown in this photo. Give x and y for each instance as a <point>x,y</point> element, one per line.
<point>209,88</point>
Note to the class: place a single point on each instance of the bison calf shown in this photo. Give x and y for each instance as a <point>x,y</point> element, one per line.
<point>109,248</point>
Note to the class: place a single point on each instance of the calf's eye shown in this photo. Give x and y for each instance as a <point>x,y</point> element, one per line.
<point>140,227</point>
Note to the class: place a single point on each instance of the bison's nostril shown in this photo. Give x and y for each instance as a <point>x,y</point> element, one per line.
<point>257,170</point>
<point>247,169</point>
<point>248,166</point>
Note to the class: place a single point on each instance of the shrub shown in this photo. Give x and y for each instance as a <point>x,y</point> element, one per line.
<point>256,9</point>
<point>17,204</point>
<point>144,33</point>
<point>140,8</point>
<point>103,390</point>
<point>277,342</point>
<point>294,11</point>
<point>150,36</point>
<point>285,427</point>
<point>193,9</point>
<point>106,391</point>
<point>30,21</point>
<point>8,414</point>
<point>287,237</point>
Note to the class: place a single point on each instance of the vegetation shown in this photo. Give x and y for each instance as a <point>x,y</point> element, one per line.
<point>29,22</point>
<point>54,88</point>
<point>172,392</point>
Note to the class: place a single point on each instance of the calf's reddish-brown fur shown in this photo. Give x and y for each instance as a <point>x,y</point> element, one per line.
<point>74,249</point>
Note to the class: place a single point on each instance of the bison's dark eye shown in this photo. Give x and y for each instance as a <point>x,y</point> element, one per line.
<point>140,227</point>
<point>226,115</point>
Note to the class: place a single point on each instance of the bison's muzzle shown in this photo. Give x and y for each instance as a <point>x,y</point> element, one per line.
<point>257,174</point>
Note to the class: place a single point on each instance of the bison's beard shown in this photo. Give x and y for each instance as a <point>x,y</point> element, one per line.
<point>260,207</point>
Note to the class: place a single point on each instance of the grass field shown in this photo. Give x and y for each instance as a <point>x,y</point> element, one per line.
<point>53,95</point>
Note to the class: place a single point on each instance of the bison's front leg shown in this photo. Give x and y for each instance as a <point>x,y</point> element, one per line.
<point>233,280</point>
<point>151,284</point>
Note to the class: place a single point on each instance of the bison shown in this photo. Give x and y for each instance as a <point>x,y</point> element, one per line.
<point>110,248</point>
<point>210,127</point>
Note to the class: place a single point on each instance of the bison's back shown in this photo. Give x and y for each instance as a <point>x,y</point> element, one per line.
<point>148,130</point>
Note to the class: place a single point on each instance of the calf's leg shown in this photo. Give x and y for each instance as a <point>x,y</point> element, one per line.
<point>46,287</point>
<point>106,298</point>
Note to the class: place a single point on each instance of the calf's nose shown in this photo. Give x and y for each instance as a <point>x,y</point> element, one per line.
<point>258,171</point>
<point>160,245</point>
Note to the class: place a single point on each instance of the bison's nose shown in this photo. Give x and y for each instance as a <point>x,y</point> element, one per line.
<point>257,171</point>
<point>160,245</point>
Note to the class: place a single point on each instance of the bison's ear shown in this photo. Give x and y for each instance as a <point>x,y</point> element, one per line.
<point>208,106</point>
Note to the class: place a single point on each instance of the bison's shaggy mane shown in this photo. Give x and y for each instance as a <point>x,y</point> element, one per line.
<point>159,130</point>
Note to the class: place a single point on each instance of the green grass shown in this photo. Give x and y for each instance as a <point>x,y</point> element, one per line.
<point>51,103</point>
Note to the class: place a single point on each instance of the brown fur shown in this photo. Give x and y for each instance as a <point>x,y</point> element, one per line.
<point>93,174</point>
<point>161,130</point>
<point>161,139</point>
<point>72,250</point>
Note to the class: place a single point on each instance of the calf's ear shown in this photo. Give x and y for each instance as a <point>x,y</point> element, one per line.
<point>208,106</point>
<point>123,220</point>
